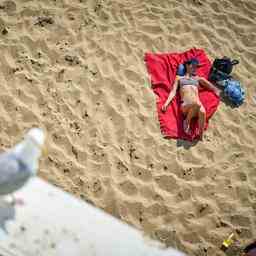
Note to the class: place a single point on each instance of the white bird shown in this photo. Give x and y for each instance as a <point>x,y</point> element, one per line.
<point>21,162</point>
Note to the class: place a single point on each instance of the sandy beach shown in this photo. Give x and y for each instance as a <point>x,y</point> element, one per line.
<point>76,68</point>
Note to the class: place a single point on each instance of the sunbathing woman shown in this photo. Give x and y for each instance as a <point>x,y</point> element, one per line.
<point>190,103</point>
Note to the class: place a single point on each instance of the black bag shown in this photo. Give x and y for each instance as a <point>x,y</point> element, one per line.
<point>250,249</point>
<point>221,69</point>
<point>225,64</point>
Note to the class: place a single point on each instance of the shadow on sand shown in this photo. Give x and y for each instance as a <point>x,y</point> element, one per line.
<point>186,144</point>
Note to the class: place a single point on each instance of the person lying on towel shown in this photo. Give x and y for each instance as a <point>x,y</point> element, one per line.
<point>191,105</point>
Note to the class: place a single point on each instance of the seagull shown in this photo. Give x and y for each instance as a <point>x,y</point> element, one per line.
<point>20,163</point>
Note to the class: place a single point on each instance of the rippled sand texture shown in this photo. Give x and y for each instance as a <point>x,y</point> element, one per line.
<point>76,68</point>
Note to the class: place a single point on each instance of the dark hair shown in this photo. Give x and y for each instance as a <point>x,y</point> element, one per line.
<point>188,62</point>
<point>193,61</point>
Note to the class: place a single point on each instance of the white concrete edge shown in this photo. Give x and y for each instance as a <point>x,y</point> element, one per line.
<point>53,222</point>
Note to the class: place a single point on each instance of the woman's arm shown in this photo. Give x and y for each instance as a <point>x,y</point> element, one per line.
<point>171,95</point>
<point>205,83</point>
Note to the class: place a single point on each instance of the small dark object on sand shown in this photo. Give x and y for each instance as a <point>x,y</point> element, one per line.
<point>43,21</point>
<point>198,2</point>
<point>72,59</point>
<point>4,31</point>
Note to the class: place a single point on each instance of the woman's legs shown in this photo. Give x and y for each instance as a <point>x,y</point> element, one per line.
<point>201,120</point>
<point>189,111</point>
<point>192,112</point>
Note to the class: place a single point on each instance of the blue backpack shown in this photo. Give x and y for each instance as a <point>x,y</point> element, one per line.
<point>234,91</point>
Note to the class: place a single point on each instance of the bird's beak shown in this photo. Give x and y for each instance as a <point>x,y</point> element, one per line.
<point>44,148</point>
<point>44,151</point>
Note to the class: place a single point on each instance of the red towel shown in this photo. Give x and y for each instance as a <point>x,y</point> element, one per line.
<point>162,69</point>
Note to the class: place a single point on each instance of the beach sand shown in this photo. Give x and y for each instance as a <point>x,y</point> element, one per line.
<point>76,68</point>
